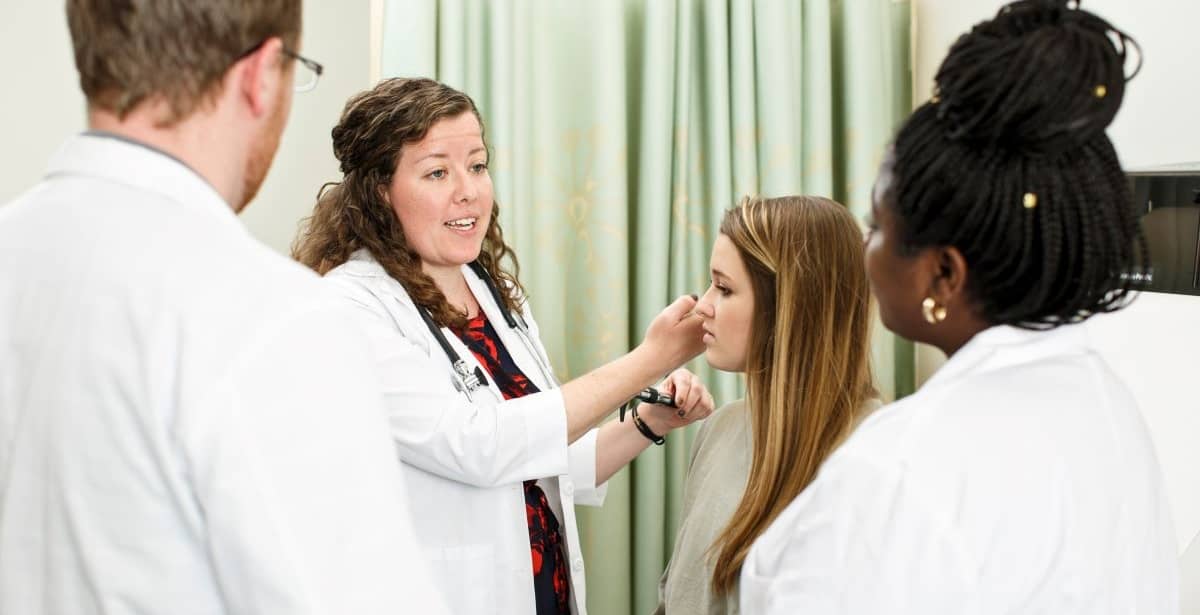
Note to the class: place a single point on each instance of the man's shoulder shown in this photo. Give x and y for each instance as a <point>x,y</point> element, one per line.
<point>277,290</point>
<point>288,321</point>
<point>276,273</point>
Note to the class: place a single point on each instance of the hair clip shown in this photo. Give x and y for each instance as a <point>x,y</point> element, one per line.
<point>1100,91</point>
<point>1030,200</point>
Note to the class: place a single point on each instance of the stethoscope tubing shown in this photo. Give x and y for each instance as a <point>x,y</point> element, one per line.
<point>465,380</point>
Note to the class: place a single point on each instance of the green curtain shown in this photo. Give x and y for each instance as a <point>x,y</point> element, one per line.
<point>620,131</point>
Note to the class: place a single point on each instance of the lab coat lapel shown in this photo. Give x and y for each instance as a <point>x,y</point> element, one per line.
<point>402,303</point>
<point>521,353</point>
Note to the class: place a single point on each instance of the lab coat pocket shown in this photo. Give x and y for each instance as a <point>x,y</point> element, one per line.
<point>467,576</point>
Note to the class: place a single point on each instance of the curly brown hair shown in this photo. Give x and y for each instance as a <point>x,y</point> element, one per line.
<point>354,213</point>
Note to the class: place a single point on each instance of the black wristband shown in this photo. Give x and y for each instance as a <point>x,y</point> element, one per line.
<point>645,429</point>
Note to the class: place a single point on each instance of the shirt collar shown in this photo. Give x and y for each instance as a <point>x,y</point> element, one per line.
<point>1021,346</point>
<point>122,160</point>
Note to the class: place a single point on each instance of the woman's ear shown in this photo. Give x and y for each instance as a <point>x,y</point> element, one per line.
<point>953,271</point>
<point>956,315</point>
<point>949,267</point>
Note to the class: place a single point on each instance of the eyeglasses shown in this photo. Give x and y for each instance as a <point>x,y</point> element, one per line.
<point>307,78</point>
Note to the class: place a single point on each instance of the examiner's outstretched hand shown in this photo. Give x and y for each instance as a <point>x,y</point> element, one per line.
<point>692,399</point>
<point>674,336</point>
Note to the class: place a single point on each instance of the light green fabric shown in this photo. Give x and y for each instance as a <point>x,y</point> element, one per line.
<point>621,130</point>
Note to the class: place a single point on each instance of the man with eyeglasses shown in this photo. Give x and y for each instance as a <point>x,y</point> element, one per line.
<point>187,425</point>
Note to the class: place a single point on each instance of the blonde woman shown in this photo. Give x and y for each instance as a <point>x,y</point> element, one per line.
<point>789,307</point>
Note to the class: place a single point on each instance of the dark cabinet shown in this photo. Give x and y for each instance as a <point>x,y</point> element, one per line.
<point>1168,202</point>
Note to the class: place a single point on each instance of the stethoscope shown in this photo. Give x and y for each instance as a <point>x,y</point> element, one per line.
<point>466,380</point>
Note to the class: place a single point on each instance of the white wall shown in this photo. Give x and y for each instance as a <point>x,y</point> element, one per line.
<point>1154,344</point>
<point>1153,126</point>
<point>40,105</point>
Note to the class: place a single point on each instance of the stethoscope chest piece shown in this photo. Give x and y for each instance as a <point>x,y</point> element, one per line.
<point>466,380</point>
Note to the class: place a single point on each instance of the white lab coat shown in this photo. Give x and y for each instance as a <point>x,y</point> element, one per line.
<point>1019,479</point>
<point>185,422</point>
<point>469,458</point>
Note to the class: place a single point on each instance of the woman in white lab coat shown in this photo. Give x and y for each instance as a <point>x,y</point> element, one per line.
<point>1020,478</point>
<point>499,453</point>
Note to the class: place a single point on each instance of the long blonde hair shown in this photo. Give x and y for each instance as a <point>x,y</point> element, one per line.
<point>808,374</point>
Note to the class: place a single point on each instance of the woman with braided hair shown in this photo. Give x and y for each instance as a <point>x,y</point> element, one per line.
<point>1020,478</point>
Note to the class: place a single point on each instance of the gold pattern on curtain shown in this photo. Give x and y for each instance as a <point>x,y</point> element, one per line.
<point>620,132</point>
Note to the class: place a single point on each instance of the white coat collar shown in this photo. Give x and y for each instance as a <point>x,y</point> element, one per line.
<point>362,263</point>
<point>118,159</point>
<point>1017,345</point>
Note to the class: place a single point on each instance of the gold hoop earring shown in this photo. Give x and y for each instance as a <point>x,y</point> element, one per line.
<point>932,312</point>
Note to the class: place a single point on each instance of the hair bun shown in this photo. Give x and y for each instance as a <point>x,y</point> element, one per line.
<point>356,134</point>
<point>344,147</point>
<point>1040,78</point>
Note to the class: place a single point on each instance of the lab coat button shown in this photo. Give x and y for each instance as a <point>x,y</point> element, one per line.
<point>577,565</point>
<point>568,489</point>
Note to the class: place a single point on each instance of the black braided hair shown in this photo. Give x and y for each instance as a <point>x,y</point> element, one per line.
<point>1021,107</point>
